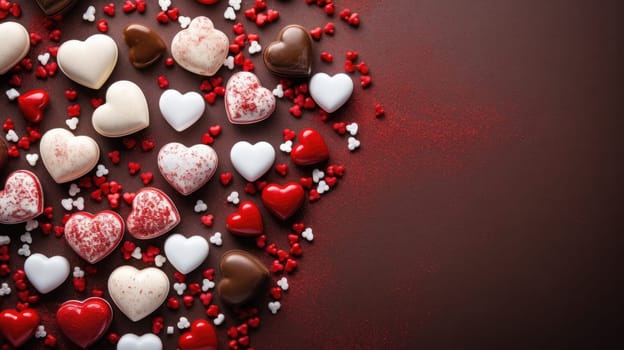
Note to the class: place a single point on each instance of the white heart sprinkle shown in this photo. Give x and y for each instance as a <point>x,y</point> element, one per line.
<point>183,323</point>
<point>11,136</point>
<point>43,58</point>
<point>31,225</point>
<point>229,14</point>
<point>308,234</point>
<point>278,91</point>
<point>317,175</point>
<point>78,272</point>
<point>229,62</point>
<point>200,206</point>
<point>89,14</point>
<point>179,288</point>
<point>79,203</point>
<point>136,253</point>
<point>235,4</point>
<point>40,332</point>
<point>219,319</point>
<point>322,187</point>
<point>5,289</point>
<point>352,128</point>
<point>67,203</point>
<point>26,238</point>
<point>24,250</point>
<point>72,123</point>
<point>12,94</point>
<point>216,239</point>
<point>274,306</point>
<point>233,198</point>
<point>73,190</point>
<point>286,147</point>
<point>283,283</point>
<point>254,47</point>
<point>5,240</point>
<point>32,158</point>
<point>164,4</point>
<point>207,285</point>
<point>184,21</point>
<point>160,260</point>
<point>101,170</point>
<point>353,143</point>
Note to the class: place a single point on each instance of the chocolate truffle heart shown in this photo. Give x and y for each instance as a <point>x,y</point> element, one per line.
<point>153,214</point>
<point>53,7</point>
<point>291,55</point>
<point>187,169</point>
<point>84,322</point>
<point>93,237</point>
<point>21,199</point>
<point>15,45</point>
<point>200,48</point>
<point>146,46</point>
<point>246,100</point>
<point>68,157</point>
<point>137,293</point>
<point>242,276</point>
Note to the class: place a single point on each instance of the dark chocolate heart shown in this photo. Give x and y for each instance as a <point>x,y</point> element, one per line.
<point>291,55</point>
<point>146,46</point>
<point>242,276</point>
<point>54,7</point>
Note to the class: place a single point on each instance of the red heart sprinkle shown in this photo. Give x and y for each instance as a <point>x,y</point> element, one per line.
<point>71,94</point>
<point>109,9</point>
<point>225,178</point>
<point>327,57</point>
<point>316,33</point>
<point>102,26</point>
<point>162,17</point>
<point>329,28</point>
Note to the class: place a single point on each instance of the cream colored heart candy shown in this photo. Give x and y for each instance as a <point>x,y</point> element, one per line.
<point>200,48</point>
<point>15,45</point>
<point>137,293</point>
<point>68,157</point>
<point>125,111</point>
<point>88,62</point>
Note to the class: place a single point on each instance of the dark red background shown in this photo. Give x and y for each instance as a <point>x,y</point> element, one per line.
<point>484,210</point>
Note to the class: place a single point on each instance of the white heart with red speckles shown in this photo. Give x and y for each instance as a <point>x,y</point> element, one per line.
<point>46,274</point>
<point>181,111</point>
<point>21,198</point>
<point>94,237</point>
<point>15,45</point>
<point>331,92</point>
<point>246,100</point>
<point>68,157</point>
<point>137,293</point>
<point>186,254</point>
<point>153,214</point>
<point>125,111</point>
<point>147,341</point>
<point>200,48</point>
<point>187,169</point>
<point>252,161</point>
<point>88,62</point>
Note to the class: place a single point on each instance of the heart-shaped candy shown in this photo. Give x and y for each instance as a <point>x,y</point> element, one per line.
<point>125,111</point>
<point>246,100</point>
<point>186,254</point>
<point>53,7</point>
<point>67,157</point>
<point>145,45</point>
<point>200,48</point>
<point>330,93</point>
<point>242,277</point>
<point>15,45</point>
<point>93,237</point>
<point>18,326</point>
<point>181,111</point>
<point>32,104</point>
<point>153,214</point>
<point>283,201</point>
<point>252,161</point>
<point>187,169</point>
<point>21,199</point>
<point>46,274</point>
<point>311,148</point>
<point>246,221</point>
<point>88,62</point>
<point>201,336</point>
<point>84,322</point>
<point>137,293</point>
<point>291,55</point>
<point>147,341</point>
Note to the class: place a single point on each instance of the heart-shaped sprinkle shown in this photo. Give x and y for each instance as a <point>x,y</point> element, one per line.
<point>330,92</point>
<point>181,111</point>
<point>216,239</point>
<point>137,293</point>
<point>153,214</point>
<point>21,199</point>
<point>15,45</point>
<point>187,169</point>
<point>94,237</point>
<point>89,14</point>
<point>243,276</point>
<point>67,157</point>
<point>46,274</point>
<point>246,100</point>
<point>84,322</point>
<point>200,48</point>
<point>145,45</point>
<point>186,254</point>
<point>291,55</point>
<point>252,161</point>
<point>125,111</point>
<point>88,62</point>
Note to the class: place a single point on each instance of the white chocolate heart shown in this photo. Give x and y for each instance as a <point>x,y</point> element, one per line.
<point>67,157</point>
<point>21,199</point>
<point>94,237</point>
<point>186,254</point>
<point>200,48</point>
<point>252,161</point>
<point>15,45</point>
<point>46,274</point>
<point>137,293</point>
<point>88,62</point>
<point>125,111</point>
<point>187,169</point>
<point>147,341</point>
<point>330,93</point>
<point>181,111</point>
<point>246,100</point>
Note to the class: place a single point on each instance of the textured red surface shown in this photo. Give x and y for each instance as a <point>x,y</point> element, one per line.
<point>483,211</point>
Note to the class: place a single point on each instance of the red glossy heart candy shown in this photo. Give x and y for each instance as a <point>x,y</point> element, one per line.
<point>84,322</point>
<point>202,336</point>
<point>32,104</point>
<point>247,221</point>
<point>283,201</point>
<point>311,148</point>
<point>18,327</point>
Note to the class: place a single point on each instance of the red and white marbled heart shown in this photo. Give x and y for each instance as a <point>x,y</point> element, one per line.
<point>21,199</point>
<point>187,168</point>
<point>94,237</point>
<point>153,214</point>
<point>246,100</point>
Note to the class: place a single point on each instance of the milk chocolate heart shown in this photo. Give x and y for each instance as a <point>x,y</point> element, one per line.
<point>247,221</point>
<point>137,293</point>
<point>200,48</point>
<point>93,237</point>
<point>125,111</point>
<point>291,55</point>
<point>88,62</point>
<point>283,201</point>
<point>201,336</point>
<point>84,322</point>
<point>146,46</point>
<point>68,157</point>
<point>153,214</point>
<point>53,7</point>
<point>21,199</point>
<point>18,326</point>
<point>32,104</point>
<point>242,277</point>
<point>187,169</point>
<point>311,148</point>
<point>15,45</point>
<point>246,100</point>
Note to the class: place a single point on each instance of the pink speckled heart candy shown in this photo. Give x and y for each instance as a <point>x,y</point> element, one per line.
<point>21,199</point>
<point>93,237</point>
<point>246,100</point>
<point>153,214</point>
<point>200,48</point>
<point>187,169</point>
<point>68,157</point>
